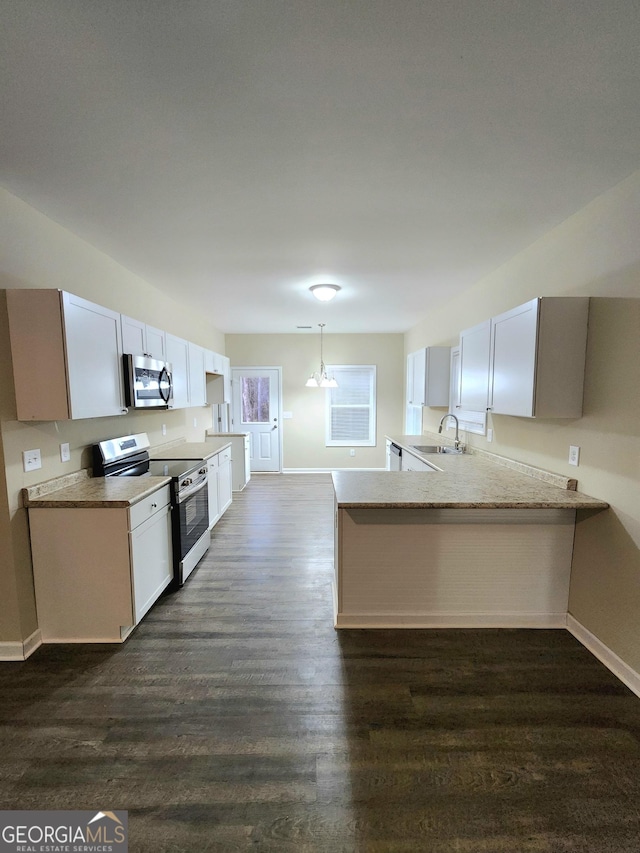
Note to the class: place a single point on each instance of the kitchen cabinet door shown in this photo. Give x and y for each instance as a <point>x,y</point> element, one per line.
<point>513,360</point>
<point>212,485</point>
<point>538,358</point>
<point>94,358</point>
<point>475,348</point>
<point>178,357</point>
<point>197,387</point>
<point>428,376</point>
<point>156,343</point>
<point>151,560</point>
<point>224,480</point>
<point>416,377</point>
<point>134,339</point>
<point>213,362</point>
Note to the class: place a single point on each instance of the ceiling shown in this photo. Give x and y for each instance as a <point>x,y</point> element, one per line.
<point>238,151</point>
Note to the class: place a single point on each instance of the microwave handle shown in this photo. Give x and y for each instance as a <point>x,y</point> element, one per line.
<point>170,381</point>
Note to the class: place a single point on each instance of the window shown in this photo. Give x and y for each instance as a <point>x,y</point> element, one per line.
<point>255,399</point>
<point>351,407</point>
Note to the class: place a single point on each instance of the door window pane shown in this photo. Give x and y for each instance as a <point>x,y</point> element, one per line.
<point>255,399</point>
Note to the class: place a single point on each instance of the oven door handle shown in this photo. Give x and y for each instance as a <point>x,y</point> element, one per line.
<point>191,491</point>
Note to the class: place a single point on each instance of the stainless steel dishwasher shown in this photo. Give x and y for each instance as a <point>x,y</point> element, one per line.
<point>395,457</point>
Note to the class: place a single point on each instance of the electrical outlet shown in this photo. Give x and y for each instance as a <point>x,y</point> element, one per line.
<point>164,429</point>
<point>352,452</point>
<point>65,453</point>
<point>31,460</point>
<point>574,455</point>
<point>489,435</point>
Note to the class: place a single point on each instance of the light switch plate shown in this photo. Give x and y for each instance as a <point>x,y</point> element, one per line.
<point>65,453</point>
<point>574,455</point>
<point>31,460</point>
<point>489,435</point>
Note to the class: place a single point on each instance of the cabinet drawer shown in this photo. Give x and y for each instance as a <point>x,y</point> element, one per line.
<point>148,506</point>
<point>224,455</point>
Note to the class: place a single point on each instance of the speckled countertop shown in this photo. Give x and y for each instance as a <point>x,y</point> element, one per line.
<point>91,492</point>
<point>190,450</point>
<point>462,481</point>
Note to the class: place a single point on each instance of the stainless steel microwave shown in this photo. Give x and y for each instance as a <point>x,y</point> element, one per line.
<point>148,383</point>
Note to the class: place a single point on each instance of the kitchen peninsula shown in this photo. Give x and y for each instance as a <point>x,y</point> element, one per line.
<point>474,543</point>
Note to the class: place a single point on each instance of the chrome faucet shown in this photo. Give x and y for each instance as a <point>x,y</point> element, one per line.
<point>456,441</point>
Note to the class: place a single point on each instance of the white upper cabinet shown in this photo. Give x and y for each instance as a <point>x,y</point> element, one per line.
<point>213,362</point>
<point>475,348</point>
<point>428,376</point>
<point>178,357</point>
<point>537,358</point>
<point>197,387</point>
<point>140,339</point>
<point>67,356</point>
<point>218,381</point>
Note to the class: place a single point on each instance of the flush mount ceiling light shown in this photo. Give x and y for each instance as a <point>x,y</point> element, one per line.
<point>320,379</point>
<point>324,292</point>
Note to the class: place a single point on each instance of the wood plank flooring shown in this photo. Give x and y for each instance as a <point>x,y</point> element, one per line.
<point>235,718</point>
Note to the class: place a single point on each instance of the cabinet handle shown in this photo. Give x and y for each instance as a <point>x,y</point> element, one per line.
<point>154,506</point>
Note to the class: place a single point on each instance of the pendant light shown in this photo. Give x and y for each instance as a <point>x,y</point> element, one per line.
<point>321,380</point>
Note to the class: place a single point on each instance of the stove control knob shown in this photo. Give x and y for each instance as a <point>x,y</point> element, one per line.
<point>186,482</point>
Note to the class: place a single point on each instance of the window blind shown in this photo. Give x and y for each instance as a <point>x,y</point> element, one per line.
<point>351,411</point>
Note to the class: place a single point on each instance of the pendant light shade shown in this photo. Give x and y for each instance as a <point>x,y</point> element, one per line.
<point>320,379</point>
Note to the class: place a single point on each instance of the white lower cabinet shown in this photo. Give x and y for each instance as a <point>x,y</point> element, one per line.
<point>240,461</point>
<point>219,484</point>
<point>151,553</point>
<point>212,484</point>
<point>224,479</point>
<point>98,570</point>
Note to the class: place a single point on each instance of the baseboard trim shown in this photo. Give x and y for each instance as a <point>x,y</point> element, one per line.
<point>20,649</point>
<point>605,655</point>
<point>450,620</point>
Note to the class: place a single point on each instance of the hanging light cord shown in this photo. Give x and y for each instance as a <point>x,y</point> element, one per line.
<point>322,370</point>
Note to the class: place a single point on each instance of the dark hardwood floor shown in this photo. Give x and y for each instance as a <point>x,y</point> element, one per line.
<point>235,718</point>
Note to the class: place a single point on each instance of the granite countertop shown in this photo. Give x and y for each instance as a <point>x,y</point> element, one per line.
<point>213,434</point>
<point>91,492</point>
<point>461,481</point>
<point>189,450</point>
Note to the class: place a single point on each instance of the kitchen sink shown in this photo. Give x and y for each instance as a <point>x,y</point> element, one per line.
<point>434,448</point>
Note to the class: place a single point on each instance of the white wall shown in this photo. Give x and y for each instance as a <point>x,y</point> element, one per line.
<point>594,253</point>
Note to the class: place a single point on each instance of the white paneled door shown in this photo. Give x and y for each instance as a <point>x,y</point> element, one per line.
<point>256,410</point>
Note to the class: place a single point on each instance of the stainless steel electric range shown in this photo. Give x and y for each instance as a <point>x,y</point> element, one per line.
<point>128,456</point>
